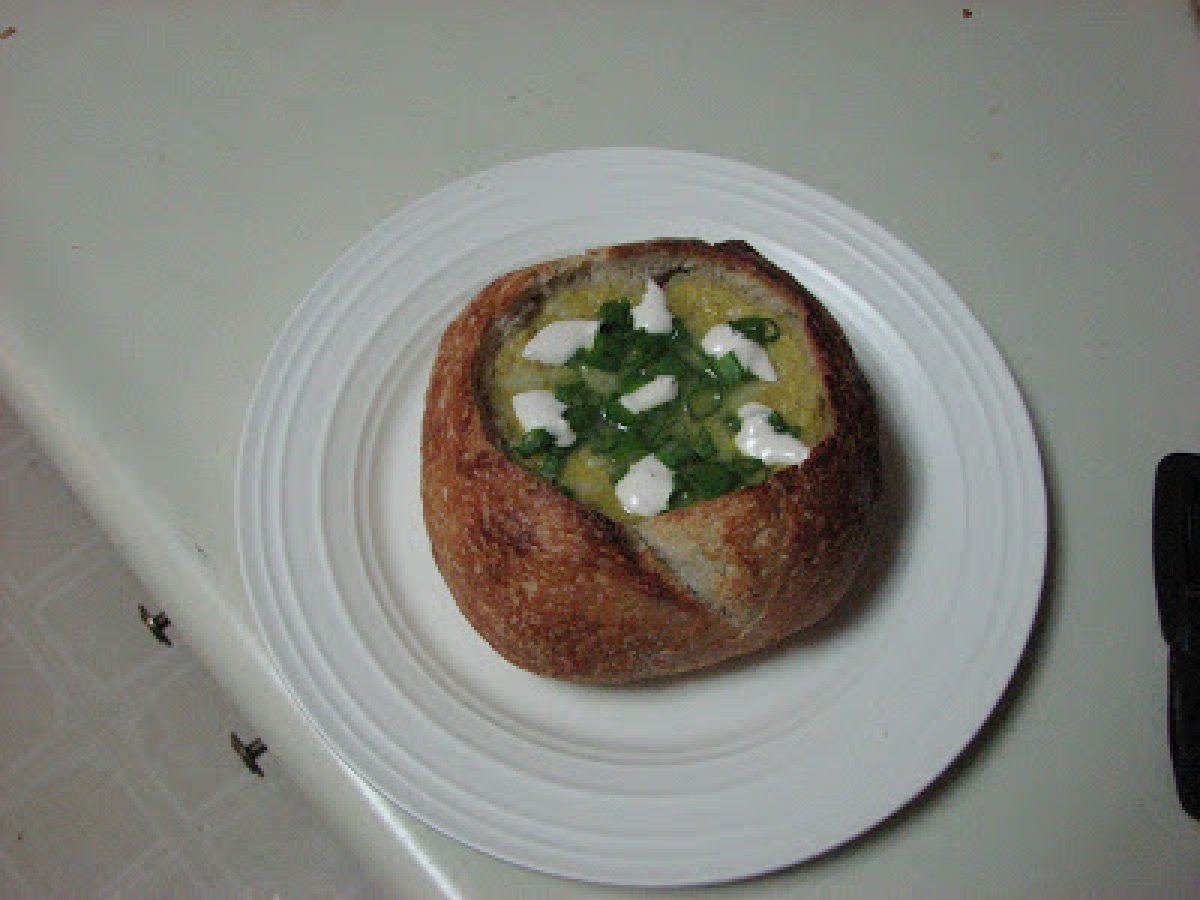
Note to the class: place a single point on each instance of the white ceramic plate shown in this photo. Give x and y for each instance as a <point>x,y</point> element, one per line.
<point>748,768</point>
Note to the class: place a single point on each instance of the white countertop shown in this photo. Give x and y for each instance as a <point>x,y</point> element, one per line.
<point>175,178</point>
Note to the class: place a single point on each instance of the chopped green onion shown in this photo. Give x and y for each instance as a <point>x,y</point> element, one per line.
<point>552,465</point>
<point>680,498</point>
<point>711,479</point>
<point>632,381</point>
<point>617,413</point>
<point>534,441</point>
<point>759,329</point>
<point>607,351</point>
<point>628,449</point>
<point>674,453</point>
<point>679,332</point>
<point>572,392</point>
<point>776,421</point>
<point>604,438</point>
<point>693,357</point>
<point>670,363</point>
<point>582,417</point>
<point>616,314</point>
<point>729,369</point>
<point>645,348</point>
<point>704,399</point>
<point>655,425</point>
<point>620,361</point>
<point>748,469</point>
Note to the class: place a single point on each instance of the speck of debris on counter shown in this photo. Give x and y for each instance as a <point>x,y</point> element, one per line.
<point>6,33</point>
<point>967,13</point>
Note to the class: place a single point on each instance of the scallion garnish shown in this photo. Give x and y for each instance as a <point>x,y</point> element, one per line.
<point>570,392</point>
<point>534,441</point>
<point>627,449</point>
<point>631,381</point>
<point>729,369</point>
<point>617,413</point>
<point>607,351</point>
<point>622,359</point>
<point>616,314</point>
<point>704,399</point>
<point>748,469</point>
<point>675,453</point>
<point>582,417</point>
<point>552,465</point>
<point>759,329</point>
<point>710,479</point>
<point>644,349</point>
<point>669,363</point>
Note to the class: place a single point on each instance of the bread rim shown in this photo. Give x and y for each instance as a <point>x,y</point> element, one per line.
<point>563,591</point>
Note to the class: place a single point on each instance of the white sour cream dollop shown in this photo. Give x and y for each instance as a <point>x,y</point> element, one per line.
<point>757,438</point>
<point>663,389</point>
<point>646,488</point>
<point>559,341</point>
<point>753,357</point>
<point>541,409</point>
<point>652,315</point>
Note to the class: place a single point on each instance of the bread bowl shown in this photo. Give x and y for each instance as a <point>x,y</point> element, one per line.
<point>558,573</point>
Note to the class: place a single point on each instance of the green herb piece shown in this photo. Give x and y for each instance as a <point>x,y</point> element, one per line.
<point>627,449</point>
<point>729,369</point>
<point>669,363</point>
<point>748,469</point>
<point>681,497</point>
<point>656,425</point>
<point>603,438</point>
<point>759,329</point>
<point>644,348</point>
<point>534,441</point>
<point>703,444</point>
<point>572,392</point>
<point>616,314</point>
<point>704,399</point>
<point>776,421</point>
<point>679,331</point>
<point>581,418</point>
<point>675,452</point>
<point>631,381</point>
<point>617,413</point>
<point>607,351</point>
<point>710,479</point>
<point>693,357</point>
<point>551,466</point>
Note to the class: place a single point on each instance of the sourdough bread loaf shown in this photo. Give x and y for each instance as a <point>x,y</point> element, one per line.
<point>561,588</point>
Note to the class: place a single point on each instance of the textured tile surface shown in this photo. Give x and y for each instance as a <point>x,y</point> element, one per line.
<point>116,776</point>
<point>42,522</point>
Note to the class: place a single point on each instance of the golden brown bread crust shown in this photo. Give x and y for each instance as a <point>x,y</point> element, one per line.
<point>562,590</point>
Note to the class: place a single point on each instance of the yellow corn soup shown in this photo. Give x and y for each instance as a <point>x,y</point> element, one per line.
<point>700,303</point>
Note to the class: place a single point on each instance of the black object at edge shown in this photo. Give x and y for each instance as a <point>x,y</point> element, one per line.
<point>1177,584</point>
